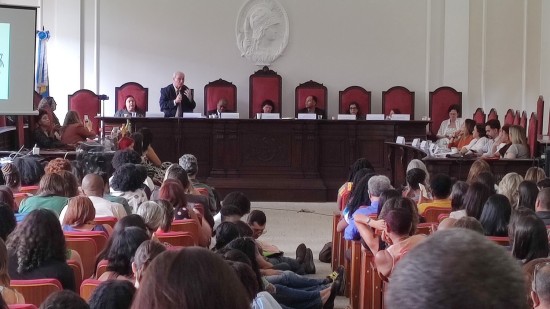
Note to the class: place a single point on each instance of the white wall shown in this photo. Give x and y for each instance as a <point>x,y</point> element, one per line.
<point>494,56</point>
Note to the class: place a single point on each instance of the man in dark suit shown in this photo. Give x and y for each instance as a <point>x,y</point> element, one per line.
<point>311,107</point>
<point>175,99</point>
<point>221,107</point>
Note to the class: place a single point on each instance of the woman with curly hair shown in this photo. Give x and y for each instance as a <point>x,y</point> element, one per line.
<point>127,182</point>
<point>80,216</point>
<point>122,252</point>
<point>37,250</point>
<point>70,184</point>
<point>508,186</point>
<point>143,140</point>
<point>57,165</point>
<point>113,294</point>
<point>11,296</point>
<point>12,177</point>
<point>51,195</point>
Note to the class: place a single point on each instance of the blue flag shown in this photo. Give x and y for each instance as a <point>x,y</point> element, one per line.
<point>41,82</point>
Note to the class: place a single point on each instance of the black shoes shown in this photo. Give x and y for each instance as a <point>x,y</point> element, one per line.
<point>335,288</point>
<point>301,253</point>
<point>309,264</point>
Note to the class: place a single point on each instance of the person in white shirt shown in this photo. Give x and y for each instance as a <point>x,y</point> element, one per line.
<point>479,143</point>
<point>92,187</point>
<point>449,128</point>
<point>492,129</point>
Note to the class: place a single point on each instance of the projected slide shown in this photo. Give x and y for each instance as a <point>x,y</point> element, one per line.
<point>4,60</point>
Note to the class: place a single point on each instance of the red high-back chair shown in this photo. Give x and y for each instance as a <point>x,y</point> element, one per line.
<point>479,116</point>
<point>37,290</point>
<point>264,84</point>
<point>441,100</point>
<point>523,120</point>
<point>540,113</point>
<point>400,98</point>
<point>492,114</point>
<point>355,94</point>
<point>509,117</point>
<point>88,287</point>
<point>140,94</point>
<point>87,249</point>
<point>217,90</point>
<point>517,118</point>
<point>532,135</point>
<point>86,102</point>
<point>311,88</point>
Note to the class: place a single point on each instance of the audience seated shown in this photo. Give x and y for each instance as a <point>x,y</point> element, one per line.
<point>440,187</point>
<point>64,300</point>
<point>236,199</point>
<point>225,233</point>
<point>57,165</point>
<point>258,299</point>
<point>127,183</point>
<point>527,192</point>
<point>415,163</point>
<point>121,252</point>
<point>37,250</point>
<point>11,176</point>
<point>528,236</point>
<point>79,217</point>
<point>456,269</point>
<point>150,159</point>
<point>153,215</point>
<point>10,296</point>
<point>475,200</point>
<point>44,137</point>
<point>540,284</point>
<point>358,198</point>
<point>51,195</point>
<point>145,254</point>
<point>458,193</point>
<point>189,163</point>
<point>508,187</point>
<point>496,216</point>
<point>469,223</point>
<point>479,166</point>
<point>542,205</point>
<point>30,168</point>
<point>93,188</point>
<point>113,294</point>
<point>196,288</point>
<point>70,184</point>
<point>488,179</point>
<point>535,174</point>
<point>345,190</point>
<point>7,220</point>
<point>416,186</point>
<point>130,156</point>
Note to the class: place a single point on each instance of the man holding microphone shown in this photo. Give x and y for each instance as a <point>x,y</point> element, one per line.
<point>176,99</point>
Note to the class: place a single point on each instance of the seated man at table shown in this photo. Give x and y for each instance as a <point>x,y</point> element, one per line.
<point>492,130</point>
<point>176,98</point>
<point>221,107</point>
<point>440,186</point>
<point>311,107</point>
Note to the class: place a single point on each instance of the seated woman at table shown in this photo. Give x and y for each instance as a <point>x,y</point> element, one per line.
<point>73,131</point>
<point>268,107</point>
<point>353,109</point>
<point>394,111</point>
<point>43,135</point>
<point>449,128</point>
<point>465,136</point>
<point>49,105</point>
<point>130,108</point>
<point>479,143</point>
<point>504,138</point>
<point>519,148</point>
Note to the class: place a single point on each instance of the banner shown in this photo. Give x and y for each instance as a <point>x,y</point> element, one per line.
<point>41,82</point>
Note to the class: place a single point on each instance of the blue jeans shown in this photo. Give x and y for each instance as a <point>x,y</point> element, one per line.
<point>286,263</point>
<point>298,299</point>
<point>292,280</point>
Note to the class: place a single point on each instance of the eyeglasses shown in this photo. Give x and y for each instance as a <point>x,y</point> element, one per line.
<point>538,267</point>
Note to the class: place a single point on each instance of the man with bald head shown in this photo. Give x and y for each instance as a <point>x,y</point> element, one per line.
<point>542,205</point>
<point>176,98</point>
<point>93,188</point>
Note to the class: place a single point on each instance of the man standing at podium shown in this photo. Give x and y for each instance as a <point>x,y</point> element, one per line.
<point>176,99</point>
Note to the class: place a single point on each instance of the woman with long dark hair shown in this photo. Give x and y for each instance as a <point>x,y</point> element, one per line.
<point>496,216</point>
<point>528,236</point>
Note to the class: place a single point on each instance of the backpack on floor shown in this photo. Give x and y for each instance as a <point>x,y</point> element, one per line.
<point>325,255</point>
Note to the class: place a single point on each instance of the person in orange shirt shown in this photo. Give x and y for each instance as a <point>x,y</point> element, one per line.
<point>465,135</point>
<point>440,187</point>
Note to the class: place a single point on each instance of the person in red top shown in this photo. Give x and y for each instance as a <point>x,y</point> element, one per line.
<point>73,131</point>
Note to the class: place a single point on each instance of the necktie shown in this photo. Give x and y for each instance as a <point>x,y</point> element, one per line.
<point>179,110</point>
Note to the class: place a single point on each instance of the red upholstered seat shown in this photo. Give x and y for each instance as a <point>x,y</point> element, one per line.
<point>503,241</point>
<point>432,213</point>
<point>77,270</point>
<point>134,89</point>
<point>532,135</point>
<point>355,94</point>
<point>523,120</point>
<point>492,114</point>
<point>265,84</point>
<point>217,90</point>
<point>86,102</point>
<point>100,238</point>
<point>540,113</point>
<point>186,226</point>
<point>311,88</point>
<point>440,100</point>
<point>479,116</point>
<point>88,287</point>
<point>101,268</point>
<point>509,117</point>
<point>87,249</point>
<point>111,221</point>
<point>22,306</point>
<point>178,239</point>
<point>400,98</point>
<point>37,290</point>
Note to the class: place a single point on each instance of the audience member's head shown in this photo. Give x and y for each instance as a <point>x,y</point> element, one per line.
<point>113,294</point>
<point>479,166</point>
<point>244,229</point>
<point>77,169</point>
<point>359,195</point>
<point>92,185</point>
<point>176,172</point>
<point>458,192</point>
<point>359,164</point>
<point>145,253</point>
<point>416,177</point>
<point>248,278</point>
<point>152,214</point>
<point>230,213</point>
<point>508,186</point>
<point>173,192</point>
<point>469,223</point>
<point>38,239</point>
<point>377,184</point>
<point>535,174</point>
<point>487,179</point>
<point>496,216</point>
<point>30,169</point>
<point>123,249</point>
<point>545,183</point>
<point>63,300</point>
<point>7,220</point>
<point>398,203</point>
<point>239,200</point>
<point>415,163</point>
<point>268,106</point>
<point>6,196</point>
<point>189,163</point>
<point>164,286</point>
<point>257,221</point>
<point>11,176</point>
<point>446,224</point>
<point>225,233</point>
<point>441,186</point>
<point>80,211</point>
<point>537,273</point>
<point>57,165</point>
<point>527,192</point>
<point>128,177</point>
<point>386,195</point>
<point>50,185</point>
<point>122,157</point>
<point>168,211</point>
<point>247,245</point>
<point>399,222</point>
<point>70,183</point>
<point>475,198</point>
<point>543,200</point>
<point>528,236</point>
<point>492,128</point>
<point>456,268</point>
